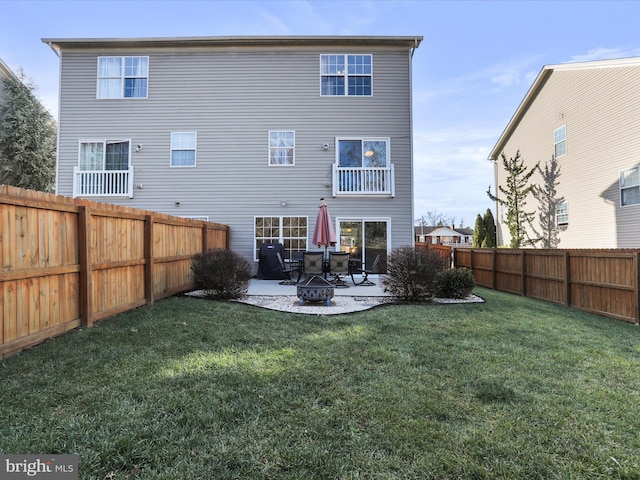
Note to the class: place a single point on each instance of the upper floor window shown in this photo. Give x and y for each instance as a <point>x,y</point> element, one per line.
<point>183,149</point>
<point>282,146</point>
<point>560,141</point>
<point>103,169</point>
<point>346,75</point>
<point>104,155</point>
<point>123,77</point>
<point>363,152</point>
<point>630,186</point>
<point>562,214</point>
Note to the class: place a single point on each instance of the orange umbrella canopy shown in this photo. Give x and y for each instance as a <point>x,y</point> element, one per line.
<point>324,234</point>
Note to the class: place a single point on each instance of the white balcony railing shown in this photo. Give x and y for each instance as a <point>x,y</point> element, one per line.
<point>363,181</point>
<point>103,183</point>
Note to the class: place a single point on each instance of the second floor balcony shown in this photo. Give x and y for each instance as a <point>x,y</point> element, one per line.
<point>103,183</point>
<point>363,181</point>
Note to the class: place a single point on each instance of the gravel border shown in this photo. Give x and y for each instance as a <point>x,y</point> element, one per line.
<point>339,304</point>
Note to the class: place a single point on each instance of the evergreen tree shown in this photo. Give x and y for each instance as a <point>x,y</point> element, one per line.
<point>515,199</point>
<point>27,138</point>
<point>549,201</point>
<point>479,232</point>
<point>490,229</point>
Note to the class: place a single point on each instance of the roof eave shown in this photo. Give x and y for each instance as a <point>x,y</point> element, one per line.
<point>233,41</point>
<point>531,93</point>
<point>539,81</point>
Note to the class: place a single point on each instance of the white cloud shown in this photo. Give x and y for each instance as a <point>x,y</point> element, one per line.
<point>602,53</point>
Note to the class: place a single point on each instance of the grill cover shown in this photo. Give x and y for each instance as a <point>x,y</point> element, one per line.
<point>269,267</point>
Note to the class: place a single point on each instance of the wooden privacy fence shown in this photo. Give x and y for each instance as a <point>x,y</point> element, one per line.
<point>442,250</point>
<point>605,282</point>
<point>67,262</point>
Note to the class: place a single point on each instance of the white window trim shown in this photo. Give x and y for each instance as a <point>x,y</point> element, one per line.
<point>104,142</point>
<point>560,214</point>
<point>364,139</point>
<point>195,152</point>
<point>270,148</point>
<point>281,237</point>
<point>346,75</point>
<point>121,76</point>
<point>628,186</point>
<point>555,143</point>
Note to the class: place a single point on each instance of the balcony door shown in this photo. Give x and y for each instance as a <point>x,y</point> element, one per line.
<point>364,239</point>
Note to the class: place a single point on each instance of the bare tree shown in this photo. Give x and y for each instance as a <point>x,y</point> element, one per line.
<point>515,199</point>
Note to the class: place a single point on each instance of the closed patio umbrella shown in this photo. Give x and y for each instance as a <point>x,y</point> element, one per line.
<point>324,234</point>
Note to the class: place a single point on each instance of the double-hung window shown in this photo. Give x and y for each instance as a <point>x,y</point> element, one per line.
<point>183,149</point>
<point>123,77</point>
<point>103,169</point>
<point>560,141</point>
<point>290,231</point>
<point>282,146</point>
<point>562,214</point>
<point>346,75</point>
<point>630,187</point>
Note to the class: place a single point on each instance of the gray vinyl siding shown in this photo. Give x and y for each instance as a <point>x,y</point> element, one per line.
<point>232,98</point>
<point>599,107</point>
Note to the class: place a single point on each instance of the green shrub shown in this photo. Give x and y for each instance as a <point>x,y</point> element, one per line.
<point>221,273</point>
<point>413,273</point>
<point>455,283</point>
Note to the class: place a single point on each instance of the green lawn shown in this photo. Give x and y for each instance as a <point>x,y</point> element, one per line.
<point>196,389</point>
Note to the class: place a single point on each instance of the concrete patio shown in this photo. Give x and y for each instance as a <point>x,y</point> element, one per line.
<point>273,288</point>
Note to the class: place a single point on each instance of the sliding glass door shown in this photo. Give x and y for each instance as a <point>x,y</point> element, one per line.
<point>365,239</point>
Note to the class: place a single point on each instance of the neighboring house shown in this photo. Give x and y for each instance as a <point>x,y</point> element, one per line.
<point>586,114</point>
<point>247,131</point>
<point>444,235</point>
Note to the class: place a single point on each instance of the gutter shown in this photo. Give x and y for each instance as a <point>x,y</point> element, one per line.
<point>52,47</point>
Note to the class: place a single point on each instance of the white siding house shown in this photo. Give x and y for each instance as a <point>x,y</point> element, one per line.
<point>247,131</point>
<point>586,115</point>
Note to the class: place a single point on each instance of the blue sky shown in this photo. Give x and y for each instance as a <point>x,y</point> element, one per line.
<point>474,67</point>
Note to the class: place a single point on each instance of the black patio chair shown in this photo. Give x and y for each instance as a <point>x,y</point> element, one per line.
<point>287,271</point>
<point>313,264</point>
<point>366,272</point>
<point>338,267</point>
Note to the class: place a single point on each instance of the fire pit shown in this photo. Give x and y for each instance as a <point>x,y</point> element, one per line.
<point>316,289</point>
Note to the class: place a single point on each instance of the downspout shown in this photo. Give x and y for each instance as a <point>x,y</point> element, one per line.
<point>498,219</point>
<point>413,186</point>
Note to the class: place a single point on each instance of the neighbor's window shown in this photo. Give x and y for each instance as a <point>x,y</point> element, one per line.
<point>363,152</point>
<point>562,214</point>
<point>290,231</point>
<point>183,149</point>
<point>282,146</point>
<point>346,75</point>
<point>123,77</point>
<point>560,141</point>
<point>630,186</point>
<point>104,155</point>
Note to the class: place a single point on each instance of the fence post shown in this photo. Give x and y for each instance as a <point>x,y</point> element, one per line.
<point>636,265</point>
<point>494,279</point>
<point>205,237</point>
<point>148,260</point>
<point>567,279</point>
<point>523,271</point>
<point>84,254</point>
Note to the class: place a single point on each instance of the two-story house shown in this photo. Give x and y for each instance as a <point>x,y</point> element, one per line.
<point>586,115</point>
<point>247,131</point>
